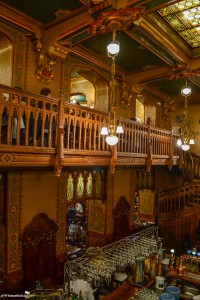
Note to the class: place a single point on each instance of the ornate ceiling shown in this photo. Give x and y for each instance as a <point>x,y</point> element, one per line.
<point>184,17</point>
<point>158,48</point>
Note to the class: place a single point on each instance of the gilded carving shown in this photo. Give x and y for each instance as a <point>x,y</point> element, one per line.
<point>57,51</point>
<point>46,71</point>
<point>126,98</point>
<point>89,160</point>
<point>121,19</point>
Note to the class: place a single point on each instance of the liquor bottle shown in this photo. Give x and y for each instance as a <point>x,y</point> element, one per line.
<point>75,296</point>
<point>80,297</point>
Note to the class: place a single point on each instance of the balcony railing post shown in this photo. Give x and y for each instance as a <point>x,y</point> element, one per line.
<point>58,165</point>
<point>149,147</point>
<point>171,151</point>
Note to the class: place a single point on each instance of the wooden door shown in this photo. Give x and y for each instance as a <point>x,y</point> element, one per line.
<point>121,219</point>
<point>38,250</point>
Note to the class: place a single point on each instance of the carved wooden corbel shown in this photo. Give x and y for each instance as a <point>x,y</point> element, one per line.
<point>149,147</point>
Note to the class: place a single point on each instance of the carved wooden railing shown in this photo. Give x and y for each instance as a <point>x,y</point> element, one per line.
<point>27,119</point>
<point>191,167</point>
<point>46,124</point>
<point>178,215</point>
<point>177,199</point>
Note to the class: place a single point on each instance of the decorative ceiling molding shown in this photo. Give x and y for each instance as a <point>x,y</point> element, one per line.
<point>121,19</point>
<point>183,72</point>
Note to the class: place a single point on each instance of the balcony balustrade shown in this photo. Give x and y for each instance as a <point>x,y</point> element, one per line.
<point>37,124</point>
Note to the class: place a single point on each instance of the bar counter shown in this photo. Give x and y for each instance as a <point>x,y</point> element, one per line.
<point>125,291</point>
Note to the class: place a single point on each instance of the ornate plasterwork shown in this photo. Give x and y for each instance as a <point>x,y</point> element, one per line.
<point>121,19</point>
<point>46,59</point>
<point>46,71</point>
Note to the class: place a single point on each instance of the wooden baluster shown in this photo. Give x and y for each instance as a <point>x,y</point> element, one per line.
<point>89,137</point>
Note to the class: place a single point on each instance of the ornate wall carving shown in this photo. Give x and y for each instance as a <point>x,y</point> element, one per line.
<point>96,216</point>
<point>13,209</point>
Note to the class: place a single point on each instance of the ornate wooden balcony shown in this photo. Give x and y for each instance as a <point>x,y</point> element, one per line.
<point>44,132</point>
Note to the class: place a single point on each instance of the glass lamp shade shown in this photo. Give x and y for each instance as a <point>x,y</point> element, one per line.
<point>119,129</point>
<point>104,130</point>
<point>185,147</point>
<point>179,142</point>
<point>191,142</point>
<point>113,48</point>
<point>112,140</point>
<point>186,91</point>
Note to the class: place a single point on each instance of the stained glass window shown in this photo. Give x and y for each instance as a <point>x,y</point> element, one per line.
<point>80,185</point>
<point>70,188</point>
<point>184,17</point>
<point>89,187</point>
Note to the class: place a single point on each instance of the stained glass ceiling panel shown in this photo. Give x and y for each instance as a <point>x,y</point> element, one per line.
<point>184,17</point>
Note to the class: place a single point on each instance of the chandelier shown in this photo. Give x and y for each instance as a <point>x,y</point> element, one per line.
<point>186,134</point>
<point>112,129</point>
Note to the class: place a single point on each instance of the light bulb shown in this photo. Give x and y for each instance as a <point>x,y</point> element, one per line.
<point>185,147</point>
<point>119,129</point>
<point>113,48</point>
<point>186,91</point>
<point>179,142</point>
<point>104,130</point>
<point>112,140</point>
<point>191,142</point>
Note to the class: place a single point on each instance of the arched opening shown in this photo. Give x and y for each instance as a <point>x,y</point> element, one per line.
<point>140,110</point>
<point>6,57</point>
<point>145,108</point>
<point>88,89</point>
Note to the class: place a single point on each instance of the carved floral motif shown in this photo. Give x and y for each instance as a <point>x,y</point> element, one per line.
<point>46,71</point>
<point>121,19</point>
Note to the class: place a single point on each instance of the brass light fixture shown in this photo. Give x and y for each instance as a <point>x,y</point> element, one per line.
<point>111,21</point>
<point>186,134</point>
<point>112,129</point>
